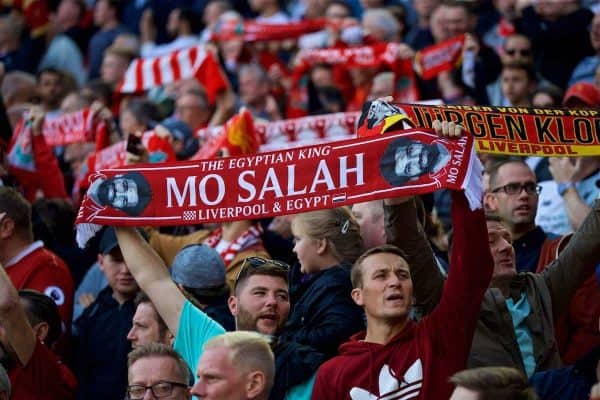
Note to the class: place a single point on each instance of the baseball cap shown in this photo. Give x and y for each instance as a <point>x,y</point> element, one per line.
<point>108,240</point>
<point>201,268</point>
<point>583,91</point>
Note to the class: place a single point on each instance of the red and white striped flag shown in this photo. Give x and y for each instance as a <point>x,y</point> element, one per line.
<point>192,62</point>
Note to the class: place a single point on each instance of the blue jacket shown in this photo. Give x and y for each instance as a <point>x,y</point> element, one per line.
<point>102,348</point>
<point>323,313</point>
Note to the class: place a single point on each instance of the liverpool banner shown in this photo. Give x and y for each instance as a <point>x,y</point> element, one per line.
<point>282,182</point>
<point>500,130</point>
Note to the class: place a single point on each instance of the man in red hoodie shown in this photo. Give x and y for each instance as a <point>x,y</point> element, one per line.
<point>397,358</point>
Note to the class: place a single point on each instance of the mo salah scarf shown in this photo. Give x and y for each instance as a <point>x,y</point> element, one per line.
<point>281,182</point>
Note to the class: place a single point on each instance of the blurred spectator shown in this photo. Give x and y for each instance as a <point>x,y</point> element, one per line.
<point>547,96</point>
<point>137,116</point>
<point>182,28</point>
<point>586,69</point>
<point>379,25</point>
<point>114,65</point>
<point>51,90</point>
<point>192,108</point>
<point>268,11</point>
<point>102,345</point>
<point>518,83</point>
<point>496,36</point>
<point>420,35</point>
<point>383,85</point>
<point>128,42</point>
<point>254,93</point>
<point>18,87</point>
<point>106,18</point>
<point>68,19</point>
<point>210,16</point>
<point>18,51</point>
<point>553,27</point>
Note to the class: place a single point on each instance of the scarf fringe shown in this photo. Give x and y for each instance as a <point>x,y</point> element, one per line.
<point>85,232</point>
<point>474,183</point>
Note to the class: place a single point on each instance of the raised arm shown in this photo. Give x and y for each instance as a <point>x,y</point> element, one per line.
<point>152,276</point>
<point>402,229</point>
<point>576,262</point>
<point>13,318</point>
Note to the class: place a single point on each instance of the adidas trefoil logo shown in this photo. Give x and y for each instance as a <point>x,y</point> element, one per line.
<point>390,388</point>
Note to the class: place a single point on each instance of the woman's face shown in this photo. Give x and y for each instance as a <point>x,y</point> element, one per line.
<point>306,249</point>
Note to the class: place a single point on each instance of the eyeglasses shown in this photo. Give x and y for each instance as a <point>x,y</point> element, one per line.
<point>517,188</point>
<point>258,262</point>
<point>159,390</point>
<point>522,52</point>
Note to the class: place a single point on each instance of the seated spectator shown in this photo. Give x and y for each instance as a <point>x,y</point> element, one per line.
<point>101,341</point>
<point>491,383</point>
<point>324,316</point>
<point>245,363</point>
<point>30,326</point>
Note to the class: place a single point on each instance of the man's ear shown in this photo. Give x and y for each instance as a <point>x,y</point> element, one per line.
<point>7,228</point>
<point>357,296</point>
<point>255,384</point>
<point>232,303</point>
<point>491,201</point>
<point>40,331</point>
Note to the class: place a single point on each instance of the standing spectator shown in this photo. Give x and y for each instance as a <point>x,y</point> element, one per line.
<point>30,326</point>
<point>496,35</point>
<point>102,344</point>
<point>192,107</point>
<point>324,316</point>
<point>244,363</point>
<point>158,368</point>
<point>553,27</point>
<point>27,262</point>
<point>51,89</point>
<point>420,35</point>
<point>518,82</point>
<point>395,353</point>
<point>254,92</point>
<point>586,69</point>
<point>182,28</point>
<point>269,11</point>
<point>114,65</point>
<point>147,325</point>
<point>106,18</point>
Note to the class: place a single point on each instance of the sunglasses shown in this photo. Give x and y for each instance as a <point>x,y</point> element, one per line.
<point>255,263</point>
<point>522,52</point>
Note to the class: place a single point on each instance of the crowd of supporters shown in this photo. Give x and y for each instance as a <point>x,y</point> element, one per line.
<point>408,297</point>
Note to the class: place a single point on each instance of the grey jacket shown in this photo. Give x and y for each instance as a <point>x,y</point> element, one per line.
<point>548,293</point>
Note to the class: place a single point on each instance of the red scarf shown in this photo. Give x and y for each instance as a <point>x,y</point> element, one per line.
<point>251,31</point>
<point>250,237</point>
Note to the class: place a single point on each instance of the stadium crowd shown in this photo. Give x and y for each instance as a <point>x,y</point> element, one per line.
<point>408,297</point>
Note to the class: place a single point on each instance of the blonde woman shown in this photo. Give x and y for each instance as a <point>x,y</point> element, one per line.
<point>324,315</point>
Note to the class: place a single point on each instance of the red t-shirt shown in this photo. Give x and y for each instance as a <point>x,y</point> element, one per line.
<point>44,271</point>
<point>43,378</point>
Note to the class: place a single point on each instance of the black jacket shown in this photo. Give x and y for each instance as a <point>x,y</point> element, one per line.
<point>323,313</point>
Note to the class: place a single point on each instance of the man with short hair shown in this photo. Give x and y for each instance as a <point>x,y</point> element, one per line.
<point>182,27</point>
<point>396,357</point>
<point>235,365</point>
<point>147,325</point>
<point>517,82</point>
<point>491,383</point>
<point>157,368</point>
<point>102,344</point>
<point>192,107</point>
<point>27,262</point>
<point>106,18</point>
<point>29,326</point>
<point>50,86</point>
<point>260,303</point>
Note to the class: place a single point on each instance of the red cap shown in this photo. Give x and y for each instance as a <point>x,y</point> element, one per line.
<point>585,92</point>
